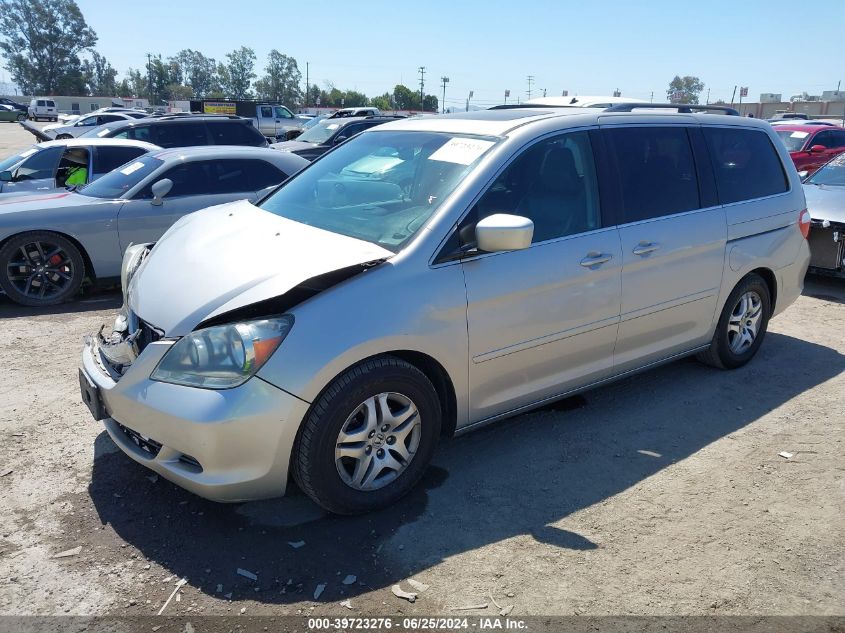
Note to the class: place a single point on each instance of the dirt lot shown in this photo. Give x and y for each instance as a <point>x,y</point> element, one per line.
<point>661,494</point>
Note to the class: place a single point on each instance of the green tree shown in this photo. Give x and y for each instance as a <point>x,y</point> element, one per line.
<point>197,71</point>
<point>100,76</point>
<point>41,41</point>
<point>137,84</point>
<point>430,103</point>
<point>281,80</point>
<point>405,99</point>
<point>239,73</point>
<point>355,99</point>
<point>383,102</point>
<point>684,89</point>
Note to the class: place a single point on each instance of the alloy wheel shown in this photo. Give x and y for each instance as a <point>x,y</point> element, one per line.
<point>744,322</point>
<point>40,270</point>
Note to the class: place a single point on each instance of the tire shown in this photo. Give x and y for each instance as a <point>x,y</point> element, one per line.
<point>28,280</point>
<point>21,118</point>
<point>730,347</point>
<point>343,406</point>
<point>61,137</point>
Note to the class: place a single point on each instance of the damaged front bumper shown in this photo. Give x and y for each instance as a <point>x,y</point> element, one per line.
<point>224,445</point>
<point>827,248</point>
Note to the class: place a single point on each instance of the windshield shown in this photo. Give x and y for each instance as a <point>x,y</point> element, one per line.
<point>319,133</point>
<point>10,163</point>
<point>380,187</point>
<point>115,183</point>
<point>793,139</point>
<point>832,173</point>
<point>100,131</point>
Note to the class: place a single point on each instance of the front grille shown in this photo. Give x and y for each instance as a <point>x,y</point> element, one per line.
<point>824,252</point>
<point>144,443</point>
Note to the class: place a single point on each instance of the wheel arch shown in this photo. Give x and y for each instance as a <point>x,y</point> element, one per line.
<point>90,273</point>
<point>770,278</point>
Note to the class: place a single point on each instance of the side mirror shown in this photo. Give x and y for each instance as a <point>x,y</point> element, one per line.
<point>815,149</point>
<point>803,174</point>
<point>161,189</point>
<point>504,232</point>
<point>340,139</point>
<point>5,176</point>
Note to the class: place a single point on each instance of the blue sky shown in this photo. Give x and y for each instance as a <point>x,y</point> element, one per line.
<point>585,47</point>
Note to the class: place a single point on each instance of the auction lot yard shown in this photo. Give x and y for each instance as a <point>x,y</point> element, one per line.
<point>661,494</point>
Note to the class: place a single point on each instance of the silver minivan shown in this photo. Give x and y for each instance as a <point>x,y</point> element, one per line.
<point>43,109</point>
<point>436,274</point>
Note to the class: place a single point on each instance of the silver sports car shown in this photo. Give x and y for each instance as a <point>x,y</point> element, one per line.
<point>51,243</point>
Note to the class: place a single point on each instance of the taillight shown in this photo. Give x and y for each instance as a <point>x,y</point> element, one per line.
<point>804,223</point>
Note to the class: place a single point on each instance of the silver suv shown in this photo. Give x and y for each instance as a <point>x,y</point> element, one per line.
<point>432,275</point>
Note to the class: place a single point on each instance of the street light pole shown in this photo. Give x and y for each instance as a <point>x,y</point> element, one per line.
<point>421,70</point>
<point>445,80</point>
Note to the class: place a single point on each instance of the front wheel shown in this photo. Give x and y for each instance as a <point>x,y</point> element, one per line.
<point>40,269</point>
<point>742,325</point>
<point>21,118</point>
<point>369,437</point>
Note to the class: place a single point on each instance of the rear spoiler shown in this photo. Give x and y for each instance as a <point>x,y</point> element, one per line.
<point>29,127</point>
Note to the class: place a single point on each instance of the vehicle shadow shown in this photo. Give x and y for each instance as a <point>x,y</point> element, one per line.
<point>105,299</point>
<point>825,288</point>
<point>520,477</point>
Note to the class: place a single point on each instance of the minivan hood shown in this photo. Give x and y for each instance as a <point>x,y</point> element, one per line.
<point>233,255</point>
<point>826,202</point>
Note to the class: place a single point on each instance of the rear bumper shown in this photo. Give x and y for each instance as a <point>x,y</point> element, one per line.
<point>791,279</point>
<point>227,445</point>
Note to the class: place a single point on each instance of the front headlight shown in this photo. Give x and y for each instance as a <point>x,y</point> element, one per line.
<point>132,259</point>
<point>223,356</point>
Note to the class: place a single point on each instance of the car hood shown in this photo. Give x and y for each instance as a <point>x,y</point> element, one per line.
<point>825,202</point>
<point>22,202</point>
<point>292,146</point>
<point>233,255</point>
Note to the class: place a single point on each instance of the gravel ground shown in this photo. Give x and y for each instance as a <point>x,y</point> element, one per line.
<point>660,494</point>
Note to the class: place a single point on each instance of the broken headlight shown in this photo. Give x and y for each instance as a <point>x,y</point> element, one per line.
<point>223,356</point>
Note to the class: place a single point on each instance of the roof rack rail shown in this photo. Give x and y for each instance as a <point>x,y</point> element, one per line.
<point>518,106</point>
<point>682,108</point>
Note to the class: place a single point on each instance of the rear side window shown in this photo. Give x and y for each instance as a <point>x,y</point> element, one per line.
<point>655,169</point>
<point>831,139</point>
<point>178,134</point>
<point>259,174</point>
<point>236,133</point>
<point>209,177</point>
<point>40,103</point>
<point>745,163</point>
<point>109,158</point>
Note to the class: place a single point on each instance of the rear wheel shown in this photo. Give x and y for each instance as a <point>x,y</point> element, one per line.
<point>21,118</point>
<point>369,437</point>
<point>742,325</point>
<point>40,269</point>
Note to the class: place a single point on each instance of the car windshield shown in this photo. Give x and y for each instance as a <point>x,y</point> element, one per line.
<point>380,187</point>
<point>101,130</point>
<point>115,183</point>
<point>793,139</point>
<point>319,133</point>
<point>10,163</point>
<point>832,173</point>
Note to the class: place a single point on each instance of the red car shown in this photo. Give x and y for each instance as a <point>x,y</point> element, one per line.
<point>811,146</point>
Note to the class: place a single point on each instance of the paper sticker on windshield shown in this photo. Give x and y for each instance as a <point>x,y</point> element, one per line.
<point>800,134</point>
<point>102,133</point>
<point>28,152</point>
<point>131,169</point>
<point>333,126</point>
<point>461,150</point>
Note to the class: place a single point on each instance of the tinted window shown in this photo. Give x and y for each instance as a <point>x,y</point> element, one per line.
<point>266,112</point>
<point>235,133</point>
<point>553,183</point>
<point>745,163</point>
<point>260,174</point>
<point>209,177</point>
<point>829,138</point>
<point>108,118</point>
<point>178,134</point>
<point>109,158</point>
<point>41,165</point>
<point>655,169</point>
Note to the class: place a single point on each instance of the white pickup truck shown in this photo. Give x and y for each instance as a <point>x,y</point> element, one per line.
<point>271,119</point>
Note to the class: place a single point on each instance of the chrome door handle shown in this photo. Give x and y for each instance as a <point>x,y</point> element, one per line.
<point>595,259</point>
<point>644,248</point>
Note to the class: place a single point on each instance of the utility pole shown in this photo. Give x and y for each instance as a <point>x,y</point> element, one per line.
<point>445,80</point>
<point>544,93</point>
<point>652,97</point>
<point>707,99</point>
<point>507,94</point>
<point>307,85</point>
<point>421,70</point>
<point>150,78</point>
<point>733,96</point>
<point>530,83</point>
<point>468,98</point>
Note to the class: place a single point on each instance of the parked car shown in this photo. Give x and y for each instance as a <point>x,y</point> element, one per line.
<point>811,146</point>
<point>271,119</point>
<point>8,113</point>
<point>790,116</point>
<point>825,192</point>
<point>320,138</point>
<point>292,134</point>
<point>354,112</point>
<point>50,244</point>
<point>43,109</point>
<point>777,122</point>
<point>339,328</point>
<point>85,123</point>
<point>14,104</point>
<point>184,131</point>
<point>45,167</point>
